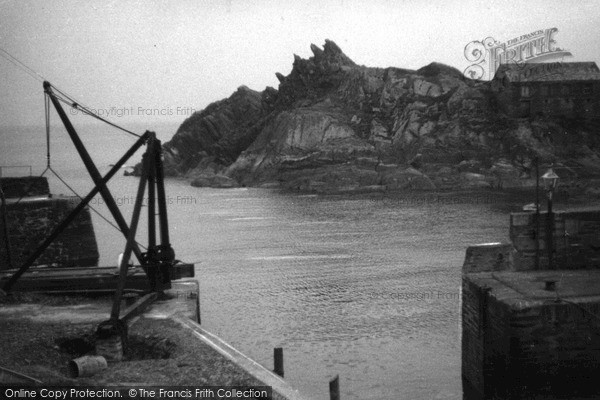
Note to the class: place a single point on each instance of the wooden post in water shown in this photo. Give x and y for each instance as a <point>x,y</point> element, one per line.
<point>537,213</point>
<point>278,361</point>
<point>5,232</point>
<point>334,388</point>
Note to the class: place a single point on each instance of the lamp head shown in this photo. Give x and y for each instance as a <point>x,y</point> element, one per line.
<point>550,180</point>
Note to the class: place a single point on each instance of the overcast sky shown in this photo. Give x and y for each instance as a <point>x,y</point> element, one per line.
<point>178,56</point>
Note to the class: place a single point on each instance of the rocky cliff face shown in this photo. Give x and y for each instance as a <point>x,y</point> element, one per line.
<point>333,125</point>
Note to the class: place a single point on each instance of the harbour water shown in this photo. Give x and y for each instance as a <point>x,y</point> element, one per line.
<point>367,287</point>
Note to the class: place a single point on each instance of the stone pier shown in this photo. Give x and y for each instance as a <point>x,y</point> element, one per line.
<point>31,213</point>
<point>529,331</point>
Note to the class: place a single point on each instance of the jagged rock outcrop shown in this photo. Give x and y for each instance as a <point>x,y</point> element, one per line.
<point>209,140</point>
<point>334,125</point>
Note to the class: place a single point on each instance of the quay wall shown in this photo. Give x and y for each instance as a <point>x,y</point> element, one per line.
<point>30,220</point>
<point>575,234</point>
<point>514,346</point>
<point>523,340</point>
<point>30,186</point>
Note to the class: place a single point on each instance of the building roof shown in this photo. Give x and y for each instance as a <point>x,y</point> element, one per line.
<point>548,72</point>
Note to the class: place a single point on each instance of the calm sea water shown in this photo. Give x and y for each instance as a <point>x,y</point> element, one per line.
<point>366,287</point>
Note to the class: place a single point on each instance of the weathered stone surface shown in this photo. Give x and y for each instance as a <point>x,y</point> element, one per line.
<point>425,88</point>
<point>379,132</point>
<point>24,186</point>
<point>222,130</point>
<point>525,325</point>
<point>528,343</point>
<point>580,251</point>
<point>31,221</point>
<point>489,257</point>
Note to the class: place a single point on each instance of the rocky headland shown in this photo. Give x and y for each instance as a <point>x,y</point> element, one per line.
<point>333,125</point>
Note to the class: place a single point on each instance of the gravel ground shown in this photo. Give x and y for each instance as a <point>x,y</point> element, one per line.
<point>160,352</point>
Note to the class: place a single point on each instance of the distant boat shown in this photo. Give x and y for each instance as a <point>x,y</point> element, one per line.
<point>530,207</point>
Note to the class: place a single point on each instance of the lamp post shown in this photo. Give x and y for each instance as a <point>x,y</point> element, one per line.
<point>550,180</point>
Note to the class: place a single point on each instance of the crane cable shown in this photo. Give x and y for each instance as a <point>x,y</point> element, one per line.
<point>92,208</point>
<point>86,110</point>
<point>49,167</point>
<point>66,99</point>
<point>47,119</point>
<point>17,63</point>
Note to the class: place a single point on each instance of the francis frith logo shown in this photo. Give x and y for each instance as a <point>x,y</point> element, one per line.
<point>488,54</point>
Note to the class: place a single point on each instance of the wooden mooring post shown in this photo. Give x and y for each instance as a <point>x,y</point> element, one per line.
<point>334,388</point>
<point>278,361</point>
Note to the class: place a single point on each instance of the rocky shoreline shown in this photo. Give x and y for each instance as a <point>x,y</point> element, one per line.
<point>335,126</point>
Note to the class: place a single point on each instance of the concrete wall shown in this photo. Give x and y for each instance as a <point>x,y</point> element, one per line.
<point>31,220</point>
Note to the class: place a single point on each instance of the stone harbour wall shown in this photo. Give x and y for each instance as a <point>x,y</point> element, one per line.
<point>576,240</point>
<point>513,350</point>
<point>521,339</point>
<point>489,257</point>
<point>555,348</point>
<point>31,220</point>
<point>29,186</point>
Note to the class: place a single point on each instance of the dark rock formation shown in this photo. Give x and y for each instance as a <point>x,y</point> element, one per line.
<point>214,138</point>
<point>334,125</point>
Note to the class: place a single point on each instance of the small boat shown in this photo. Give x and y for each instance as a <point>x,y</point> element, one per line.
<point>531,207</point>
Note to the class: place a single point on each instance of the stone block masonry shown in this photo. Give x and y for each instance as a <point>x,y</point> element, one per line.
<point>30,220</point>
<point>489,256</point>
<point>576,240</point>
<point>533,333</point>
<point>25,187</point>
